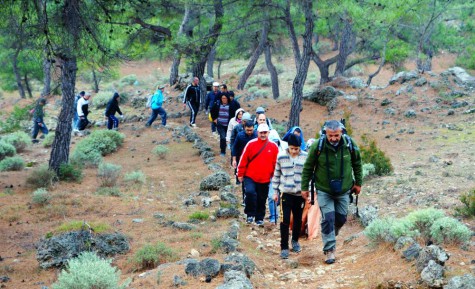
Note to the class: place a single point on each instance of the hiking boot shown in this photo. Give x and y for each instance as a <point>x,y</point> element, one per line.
<point>296,246</point>
<point>330,257</point>
<point>337,230</point>
<point>260,223</point>
<point>249,220</point>
<point>284,254</point>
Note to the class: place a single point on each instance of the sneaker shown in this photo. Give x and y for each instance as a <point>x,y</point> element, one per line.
<point>193,125</point>
<point>284,254</point>
<point>35,141</point>
<point>260,223</point>
<point>147,125</point>
<point>330,257</point>
<point>272,221</point>
<point>249,220</point>
<point>296,246</point>
<point>222,155</point>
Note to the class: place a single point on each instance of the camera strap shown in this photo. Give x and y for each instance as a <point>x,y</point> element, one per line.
<point>328,163</point>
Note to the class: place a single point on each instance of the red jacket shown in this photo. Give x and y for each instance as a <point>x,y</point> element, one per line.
<point>261,169</point>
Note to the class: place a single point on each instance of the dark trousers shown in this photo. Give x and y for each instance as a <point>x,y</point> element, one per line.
<point>83,123</point>
<point>213,127</point>
<point>222,130</point>
<point>112,122</point>
<point>194,107</point>
<point>36,128</point>
<point>256,197</point>
<point>290,204</point>
<point>155,112</point>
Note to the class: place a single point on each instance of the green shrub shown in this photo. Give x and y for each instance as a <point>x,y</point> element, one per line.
<point>161,151</point>
<point>80,225</point>
<point>14,163</point>
<point>150,256</point>
<point>265,80</point>
<point>86,156</point>
<point>101,99</point>
<point>42,177</point>
<point>19,139</point>
<point>422,220</point>
<point>199,216</point>
<point>15,118</point>
<point>397,52</point>
<point>41,197</point>
<point>379,231</point>
<point>368,170</point>
<point>89,151</point>
<point>129,79</point>
<point>450,230</point>
<point>371,154</point>
<point>216,245</point>
<point>136,177</point>
<point>107,191</point>
<point>108,174</point>
<point>88,271</point>
<point>468,201</point>
<point>6,150</point>
<point>70,173</point>
<point>48,141</point>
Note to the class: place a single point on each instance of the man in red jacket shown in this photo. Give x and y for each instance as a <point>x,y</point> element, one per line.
<point>255,170</point>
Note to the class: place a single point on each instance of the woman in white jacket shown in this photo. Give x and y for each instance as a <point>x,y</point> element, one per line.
<point>232,123</point>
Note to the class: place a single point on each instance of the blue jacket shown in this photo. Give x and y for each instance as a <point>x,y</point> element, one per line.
<point>211,98</point>
<point>240,143</point>
<point>157,99</point>
<point>303,145</point>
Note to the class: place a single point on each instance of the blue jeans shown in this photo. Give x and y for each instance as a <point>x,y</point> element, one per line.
<point>273,211</point>
<point>37,128</point>
<point>155,112</point>
<point>334,211</point>
<point>75,120</point>
<point>256,194</point>
<point>112,122</point>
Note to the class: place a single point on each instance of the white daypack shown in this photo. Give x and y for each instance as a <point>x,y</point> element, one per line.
<point>149,101</point>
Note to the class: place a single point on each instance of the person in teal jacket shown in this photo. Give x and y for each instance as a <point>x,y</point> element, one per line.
<point>156,107</point>
<point>298,132</point>
<point>338,173</point>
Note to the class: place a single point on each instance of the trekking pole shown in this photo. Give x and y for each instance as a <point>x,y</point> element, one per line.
<point>356,205</point>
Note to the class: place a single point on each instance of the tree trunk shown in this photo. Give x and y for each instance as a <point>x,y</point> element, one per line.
<point>323,67</point>
<point>46,77</point>
<point>185,29</point>
<point>211,57</point>
<point>272,71</point>
<point>292,35</point>
<point>299,80</point>
<point>381,64</point>
<point>62,139</point>
<point>219,68</point>
<point>95,81</point>
<point>27,86</point>
<point>16,71</point>
<point>347,44</point>
<point>174,67</point>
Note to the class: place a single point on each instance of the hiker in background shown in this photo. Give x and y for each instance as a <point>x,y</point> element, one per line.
<point>232,100</point>
<point>242,138</point>
<point>224,90</point>
<point>221,114</point>
<point>38,122</point>
<point>83,111</point>
<point>156,106</point>
<point>298,132</point>
<point>236,120</point>
<point>211,98</point>
<point>192,99</point>
<point>287,184</point>
<point>255,169</point>
<point>260,110</point>
<point>111,109</point>
<point>272,205</point>
<point>75,112</point>
<point>333,167</point>
<point>246,118</point>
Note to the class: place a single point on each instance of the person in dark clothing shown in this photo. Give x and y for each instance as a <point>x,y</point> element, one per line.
<point>38,123</point>
<point>242,138</point>
<point>221,114</point>
<point>233,102</point>
<point>83,111</point>
<point>211,98</point>
<point>192,99</point>
<point>111,109</point>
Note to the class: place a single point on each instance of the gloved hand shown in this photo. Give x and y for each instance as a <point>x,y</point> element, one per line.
<point>356,189</point>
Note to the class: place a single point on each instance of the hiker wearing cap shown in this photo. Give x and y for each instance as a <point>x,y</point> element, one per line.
<point>259,118</point>
<point>111,109</point>
<point>298,132</point>
<point>157,107</point>
<point>211,98</point>
<point>38,122</point>
<point>75,112</point>
<point>338,173</point>
<point>82,109</point>
<point>192,99</point>
<point>242,138</point>
<point>287,185</point>
<point>233,122</point>
<point>255,169</point>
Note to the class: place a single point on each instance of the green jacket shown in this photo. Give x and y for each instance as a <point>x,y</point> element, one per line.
<point>352,166</point>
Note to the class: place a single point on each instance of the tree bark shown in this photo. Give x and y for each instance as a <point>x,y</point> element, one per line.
<point>272,71</point>
<point>46,77</point>
<point>27,85</point>
<point>211,57</point>
<point>292,35</point>
<point>184,30</point>
<point>219,68</point>
<point>323,67</point>
<point>347,45</point>
<point>381,64</point>
<point>95,80</point>
<point>16,71</point>
<point>60,147</point>
<point>299,80</point>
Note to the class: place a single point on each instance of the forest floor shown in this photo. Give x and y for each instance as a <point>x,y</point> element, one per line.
<point>410,143</point>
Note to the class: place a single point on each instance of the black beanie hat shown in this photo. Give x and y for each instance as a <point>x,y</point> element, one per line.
<point>294,140</point>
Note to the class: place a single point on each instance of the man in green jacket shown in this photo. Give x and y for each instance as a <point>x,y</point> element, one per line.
<point>338,173</point>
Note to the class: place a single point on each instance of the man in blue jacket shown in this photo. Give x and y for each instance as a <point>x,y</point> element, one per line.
<point>156,107</point>
<point>211,98</point>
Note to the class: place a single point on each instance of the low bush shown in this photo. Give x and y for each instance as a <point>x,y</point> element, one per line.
<point>86,156</point>
<point>135,177</point>
<point>107,191</point>
<point>422,220</point>
<point>371,154</point>
<point>199,216</point>
<point>150,256</point>
<point>14,120</point>
<point>48,141</point>
<point>108,174</point>
<point>379,231</point>
<point>449,230</point>
<point>129,79</point>
<point>14,163</point>
<point>81,225</point>
<point>6,150</point>
<point>89,271</point>
<point>70,173</point>
<point>368,170</point>
<point>101,99</point>
<point>89,151</point>
<point>41,197</point>
<point>19,139</point>
<point>42,177</point>
<point>161,151</point>
<point>265,80</point>
<point>468,207</point>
